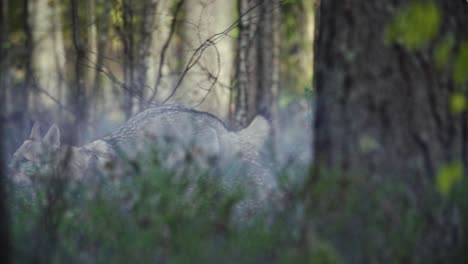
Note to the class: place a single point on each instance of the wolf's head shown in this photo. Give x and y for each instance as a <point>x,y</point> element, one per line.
<point>36,156</point>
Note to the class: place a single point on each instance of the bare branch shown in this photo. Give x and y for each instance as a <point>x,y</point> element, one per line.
<point>164,50</point>
<point>206,44</point>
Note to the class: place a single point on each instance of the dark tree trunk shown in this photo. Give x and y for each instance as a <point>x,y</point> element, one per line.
<point>137,41</point>
<point>126,36</point>
<point>102,26</point>
<point>381,109</point>
<point>78,93</point>
<point>268,60</point>
<point>17,88</point>
<point>23,98</point>
<point>258,61</point>
<point>5,247</point>
<point>247,65</point>
<point>143,49</point>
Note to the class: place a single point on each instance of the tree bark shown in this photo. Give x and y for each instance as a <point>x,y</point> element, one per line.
<point>247,68</point>
<point>5,246</point>
<point>126,36</point>
<point>102,25</point>
<point>147,11</point>
<point>258,63</point>
<point>165,31</point>
<point>23,97</point>
<point>78,95</point>
<point>137,42</point>
<point>91,45</point>
<point>268,59</point>
<point>380,108</point>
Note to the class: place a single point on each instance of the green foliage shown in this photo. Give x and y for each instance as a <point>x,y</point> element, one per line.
<point>296,45</point>
<point>324,253</point>
<point>414,25</point>
<point>116,14</point>
<point>367,144</point>
<point>160,216</point>
<point>366,219</point>
<point>448,176</point>
<point>458,103</point>
<point>460,74</point>
<point>443,52</point>
<point>452,184</point>
<point>321,253</point>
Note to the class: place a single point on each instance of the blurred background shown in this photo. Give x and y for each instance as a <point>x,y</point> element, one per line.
<point>90,65</point>
<point>368,103</point>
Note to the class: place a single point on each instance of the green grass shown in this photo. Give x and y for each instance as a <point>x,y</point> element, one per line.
<point>161,217</point>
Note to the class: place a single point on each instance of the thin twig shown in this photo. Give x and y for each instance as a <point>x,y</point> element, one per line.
<point>207,43</point>
<point>214,77</point>
<point>164,50</point>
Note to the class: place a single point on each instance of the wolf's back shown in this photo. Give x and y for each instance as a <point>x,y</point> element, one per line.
<point>175,126</point>
<point>176,133</point>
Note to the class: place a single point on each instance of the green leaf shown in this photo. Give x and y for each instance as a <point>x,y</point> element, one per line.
<point>461,65</point>
<point>442,52</point>
<point>367,144</point>
<point>458,103</point>
<point>447,176</point>
<point>414,25</point>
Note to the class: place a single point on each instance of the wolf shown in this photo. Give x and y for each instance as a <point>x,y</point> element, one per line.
<point>178,136</point>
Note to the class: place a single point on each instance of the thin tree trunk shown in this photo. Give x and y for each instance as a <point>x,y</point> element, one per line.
<point>143,50</point>
<point>258,63</point>
<point>58,50</point>
<point>5,246</point>
<point>268,60</point>
<point>127,37</point>
<point>247,65</point>
<point>102,28</point>
<point>23,99</point>
<point>92,44</point>
<point>78,95</point>
<point>165,30</point>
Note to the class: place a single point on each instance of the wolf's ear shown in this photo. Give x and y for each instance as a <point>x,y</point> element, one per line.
<point>35,132</point>
<point>52,138</point>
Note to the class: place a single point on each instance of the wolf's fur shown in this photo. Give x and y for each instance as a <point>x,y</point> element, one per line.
<point>176,134</point>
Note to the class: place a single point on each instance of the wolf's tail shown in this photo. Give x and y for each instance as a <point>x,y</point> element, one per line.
<point>256,133</point>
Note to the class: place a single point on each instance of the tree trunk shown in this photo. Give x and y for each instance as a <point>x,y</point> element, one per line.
<point>5,247</point>
<point>268,60</point>
<point>102,25</point>
<point>258,63</point>
<point>247,68</point>
<point>380,108</point>
<point>59,68</point>
<point>126,36</point>
<point>137,42</point>
<point>166,23</point>
<point>78,94</point>
<point>23,96</point>
<point>48,55</point>
<point>147,11</point>
<point>92,45</point>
